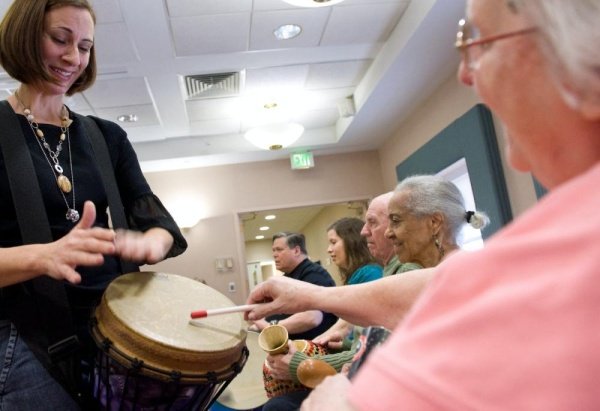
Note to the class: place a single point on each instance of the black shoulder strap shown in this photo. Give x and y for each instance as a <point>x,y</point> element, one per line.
<point>115,205</point>
<point>52,312</point>
<point>23,180</point>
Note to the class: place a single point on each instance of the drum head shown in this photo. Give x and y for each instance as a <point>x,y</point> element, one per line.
<point>146,315</point>
<point>247,390</point>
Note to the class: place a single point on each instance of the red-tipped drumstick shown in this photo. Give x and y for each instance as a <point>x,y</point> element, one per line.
<point>226,310</point>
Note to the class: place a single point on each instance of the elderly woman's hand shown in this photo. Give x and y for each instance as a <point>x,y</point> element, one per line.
<point>280,364</point>
<point>281,295</point>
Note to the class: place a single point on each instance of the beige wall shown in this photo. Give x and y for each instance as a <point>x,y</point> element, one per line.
<point>259,250</point>
<point>224,191</point>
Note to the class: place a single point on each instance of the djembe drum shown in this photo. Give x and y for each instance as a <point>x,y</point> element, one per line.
<point>152,356</point>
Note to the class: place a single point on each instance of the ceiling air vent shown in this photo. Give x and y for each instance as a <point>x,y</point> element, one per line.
<point>201,86</point>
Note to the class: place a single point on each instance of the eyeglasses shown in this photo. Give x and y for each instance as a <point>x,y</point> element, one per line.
<point>468,37</point>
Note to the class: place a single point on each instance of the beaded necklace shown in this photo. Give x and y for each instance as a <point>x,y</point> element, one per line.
<point>52,156</point>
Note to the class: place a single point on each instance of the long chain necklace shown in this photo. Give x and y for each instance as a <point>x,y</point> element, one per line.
<point>64,184</point>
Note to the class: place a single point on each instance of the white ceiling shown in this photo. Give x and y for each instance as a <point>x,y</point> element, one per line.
<point>294,219</point>
<point>388,54</point>
<point>289,219</point>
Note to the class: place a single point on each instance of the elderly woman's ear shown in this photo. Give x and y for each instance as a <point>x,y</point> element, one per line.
<point>437,223</point>
<point>585,103</point>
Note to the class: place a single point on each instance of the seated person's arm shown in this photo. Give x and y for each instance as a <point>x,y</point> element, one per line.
<point>285,366</point>
<point>334,336</point>
<point>301,322</point>
<point>384,302</point>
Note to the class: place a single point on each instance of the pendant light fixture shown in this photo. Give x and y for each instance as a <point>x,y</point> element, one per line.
<point>274,136</point>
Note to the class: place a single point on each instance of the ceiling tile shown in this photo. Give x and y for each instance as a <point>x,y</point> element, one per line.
<point>215,127</point>
<point>317,118</point>
<point>77,103</point>
<point>368,23</point>
<point>203,110</point>
<point>312,22</point>
<point>107,11</point>
<point>180,8</point>
<point>114,45</point>
<point>261,5</point>
<point>275,79</point>
<point>146,115</point>
<point>221,33</point>
<point>118,93</point>
<point>337,74</point>
<point>4,4</point>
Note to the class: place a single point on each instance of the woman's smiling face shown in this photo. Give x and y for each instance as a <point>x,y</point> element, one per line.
<point>66,43</point>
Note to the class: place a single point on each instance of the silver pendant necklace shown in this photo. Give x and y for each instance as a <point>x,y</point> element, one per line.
<point>64,185</point>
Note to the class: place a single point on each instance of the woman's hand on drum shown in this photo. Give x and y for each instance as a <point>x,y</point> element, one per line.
<point>280,364</point>
<point>149,247</point>
<point>84,245</point>
<point>329,395</point>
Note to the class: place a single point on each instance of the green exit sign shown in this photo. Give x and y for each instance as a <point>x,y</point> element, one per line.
<point>302,160</point>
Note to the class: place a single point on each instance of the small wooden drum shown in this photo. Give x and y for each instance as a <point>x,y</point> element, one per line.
<point>246,391</point>
<point>275,387</point>
<point>152,355</point>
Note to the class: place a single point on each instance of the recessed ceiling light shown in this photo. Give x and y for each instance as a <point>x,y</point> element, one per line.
<point>260,237</point>
<point>313,3</point>
<point>270,105</point>
<point>127,118</point>
<point>287,31</point>
<point>270,217</point>
<point>264,228</point>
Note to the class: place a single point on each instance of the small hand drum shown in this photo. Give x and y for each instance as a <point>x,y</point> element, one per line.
<point>152,355</point>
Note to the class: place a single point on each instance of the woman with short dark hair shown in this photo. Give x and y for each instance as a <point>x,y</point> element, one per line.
<point>48,46</point>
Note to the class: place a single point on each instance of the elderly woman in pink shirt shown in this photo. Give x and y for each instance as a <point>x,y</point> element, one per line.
<point>513,326</point>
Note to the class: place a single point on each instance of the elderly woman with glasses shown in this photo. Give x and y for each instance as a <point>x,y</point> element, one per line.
<point>513,326</point>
